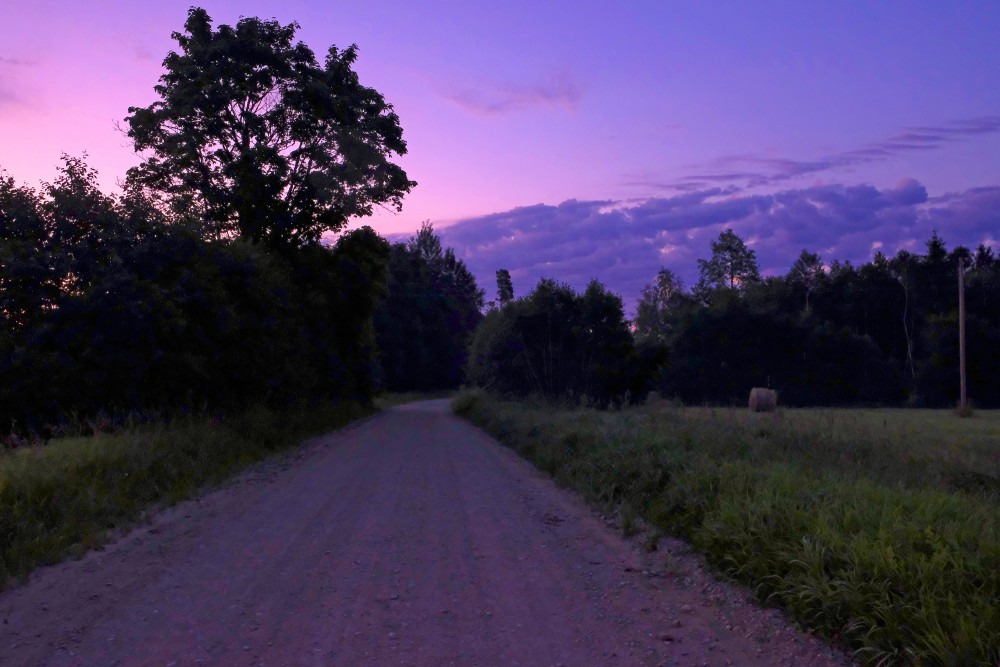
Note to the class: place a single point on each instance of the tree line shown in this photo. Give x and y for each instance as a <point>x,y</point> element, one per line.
<point>206,284</point>
<point>882,333</point>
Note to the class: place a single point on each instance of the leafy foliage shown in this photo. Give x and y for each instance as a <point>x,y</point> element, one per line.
<point>424,324</point>
<point>262,141</point>
<point>561,344</point>
<point>732,266</point>
<point>106,306</point>
<point>659,306</point>
<point>884,333</point>
<point>505,287</point>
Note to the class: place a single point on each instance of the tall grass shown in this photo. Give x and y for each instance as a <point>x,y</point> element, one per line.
<point>63,498</point>
<point>879,529</point>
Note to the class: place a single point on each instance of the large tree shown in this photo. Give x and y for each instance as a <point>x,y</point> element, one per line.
<point>732,266</point>
<point>656,310</point>
<point>505,287</point>
<point>806,274</point>
<point>261,140</point>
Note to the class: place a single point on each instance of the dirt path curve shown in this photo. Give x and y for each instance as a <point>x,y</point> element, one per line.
<point>409,539</point>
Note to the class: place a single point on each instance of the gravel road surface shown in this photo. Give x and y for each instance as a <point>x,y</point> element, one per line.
<point>411,538</point>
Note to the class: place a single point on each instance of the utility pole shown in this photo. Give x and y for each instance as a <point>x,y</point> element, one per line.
<point>961,335</point>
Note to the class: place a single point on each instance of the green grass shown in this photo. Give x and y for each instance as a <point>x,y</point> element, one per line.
<point>877,528</point>
<point>66,497</point>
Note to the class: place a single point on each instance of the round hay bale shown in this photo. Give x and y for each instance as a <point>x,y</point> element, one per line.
<point>763,400</point>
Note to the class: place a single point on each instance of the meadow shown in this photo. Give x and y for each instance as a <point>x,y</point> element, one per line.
<point>879,529</point>
<point>73,493</point>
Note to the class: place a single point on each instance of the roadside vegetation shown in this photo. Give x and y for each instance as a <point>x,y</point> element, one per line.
<point>137,327</point>
<point>71,494</point>
<point>877,528</point>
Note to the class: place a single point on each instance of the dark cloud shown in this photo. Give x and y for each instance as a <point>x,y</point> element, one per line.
<point>623,244</point>
<point>959,128</point>
<point>560,90</point>
<point>750,170</point>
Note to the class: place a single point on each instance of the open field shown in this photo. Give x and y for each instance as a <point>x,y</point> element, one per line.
<point>65,497</point>
<point>878,528</point>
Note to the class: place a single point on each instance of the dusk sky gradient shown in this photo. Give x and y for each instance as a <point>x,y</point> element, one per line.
<point>595,139</point>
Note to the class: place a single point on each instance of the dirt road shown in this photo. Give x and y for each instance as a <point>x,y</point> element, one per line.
<point>409,539</point>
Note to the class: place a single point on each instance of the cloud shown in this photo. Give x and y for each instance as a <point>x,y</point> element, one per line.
<point>16,62</point>
<point>141,53</point>
<point>750,170</point>
<point>559,91</point>
<point>624,244</point>
<point>9,94</point>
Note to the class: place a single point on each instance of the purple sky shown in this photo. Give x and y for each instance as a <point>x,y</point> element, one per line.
<point>583,139</point>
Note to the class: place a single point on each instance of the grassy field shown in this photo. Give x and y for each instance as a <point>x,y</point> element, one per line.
<point>877,528</point>
<point>65,497</point>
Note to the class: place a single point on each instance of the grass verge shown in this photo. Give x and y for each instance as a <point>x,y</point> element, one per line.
<point>63,498</point>
<point>879,529</point>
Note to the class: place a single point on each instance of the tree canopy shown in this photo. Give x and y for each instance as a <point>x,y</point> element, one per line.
<point>424,324</point>
<point>105,306</point>
<point>883,333</point>
<point>657,307</point>
<point>263,142</point>
<point>505,287</point>
<point>732,265</point>
<point>561,344</point>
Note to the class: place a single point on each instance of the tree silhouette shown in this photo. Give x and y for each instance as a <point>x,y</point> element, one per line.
<point>505,287</point>
<point>732,266</point>
<point>806,273</point>
<point>656,305</point>
<point>263,142</point>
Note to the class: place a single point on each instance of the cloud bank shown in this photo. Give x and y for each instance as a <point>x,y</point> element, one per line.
<point>623,244</point>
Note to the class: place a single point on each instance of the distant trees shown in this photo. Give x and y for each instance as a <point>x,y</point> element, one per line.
<point>107,305</point>
<point>882,333</point>
<point>806,274</point>
<point>425,323</point>
<point>561,344</point>
<point>262,142</point>
<point>659,307</point>
<point>505,287</point>
<point>732,266</point>
<point>718,354</point>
